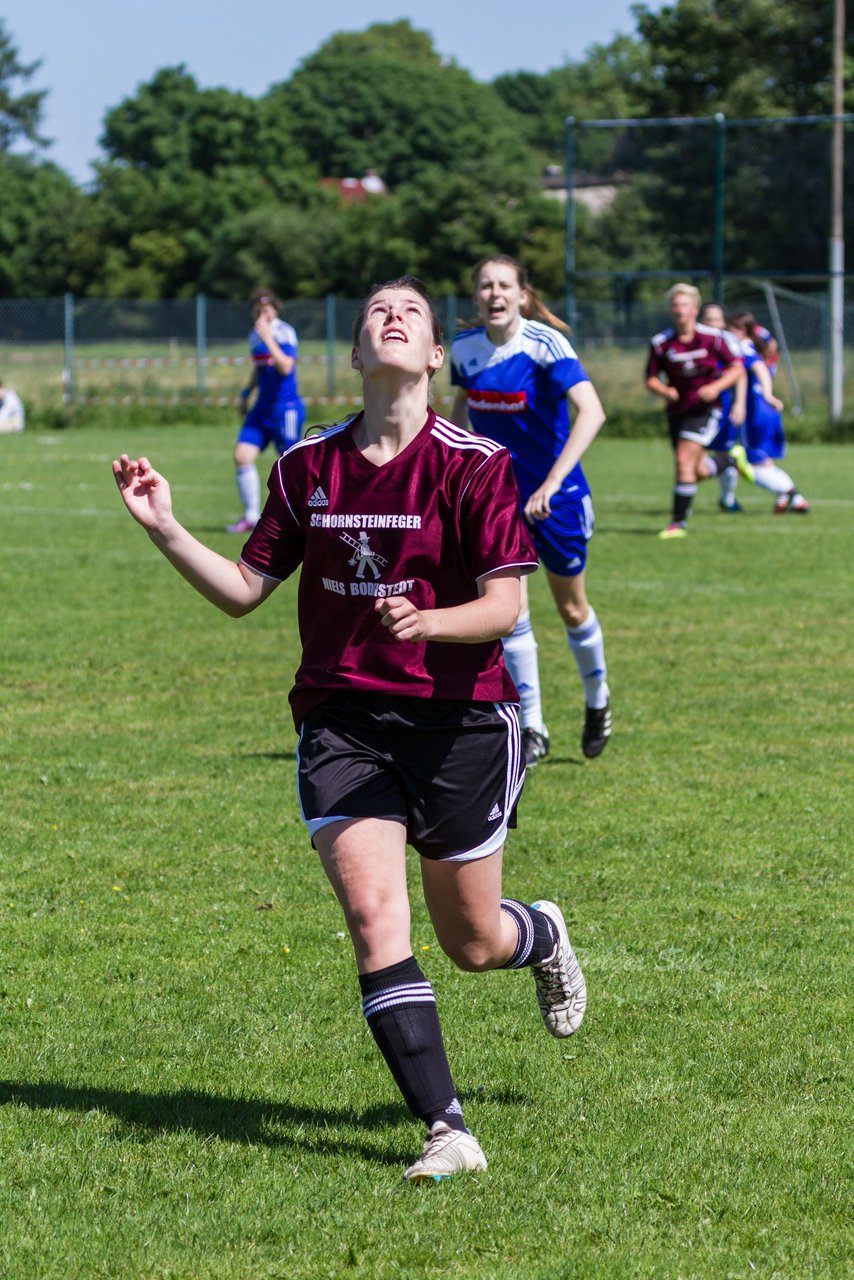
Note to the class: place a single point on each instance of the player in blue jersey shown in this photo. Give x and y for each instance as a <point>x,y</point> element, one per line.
<point>277,413</point>
<point>764,438</point>
<point>517,377</point>
<point>733,408</point>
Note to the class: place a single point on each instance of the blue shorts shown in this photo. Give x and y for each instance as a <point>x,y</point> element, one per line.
<point>281,428</point>
<point>561,539</point>
<point>763,433</point>
<point>726,436</point>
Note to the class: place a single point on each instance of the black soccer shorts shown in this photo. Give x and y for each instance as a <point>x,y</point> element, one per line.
<point>451,772</point>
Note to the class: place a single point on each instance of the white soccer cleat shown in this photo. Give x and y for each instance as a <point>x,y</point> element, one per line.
<point>447,1151</point>
<point>561,989</point>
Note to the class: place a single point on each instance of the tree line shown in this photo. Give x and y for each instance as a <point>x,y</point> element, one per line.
<point>212,190</point>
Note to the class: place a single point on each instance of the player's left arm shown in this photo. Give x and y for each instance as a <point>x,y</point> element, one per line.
<point>712,391</point>
<point>491,616</point>
<point>589,417</point>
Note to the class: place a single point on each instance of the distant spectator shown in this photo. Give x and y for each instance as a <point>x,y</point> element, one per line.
<point>12,414</point>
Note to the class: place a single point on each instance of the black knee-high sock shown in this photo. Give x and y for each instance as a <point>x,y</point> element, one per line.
<point>400,1009</point>
<point>683,496</point>
<point>537,937</point>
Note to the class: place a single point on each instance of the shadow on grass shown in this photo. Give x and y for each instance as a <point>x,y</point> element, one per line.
<point>249,1120</point>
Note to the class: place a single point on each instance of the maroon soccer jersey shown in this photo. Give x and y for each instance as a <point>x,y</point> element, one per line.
<point>689,365</point>
<point>426,525</point>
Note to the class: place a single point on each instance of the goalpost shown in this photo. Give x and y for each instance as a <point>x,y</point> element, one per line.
<point>727,173</point>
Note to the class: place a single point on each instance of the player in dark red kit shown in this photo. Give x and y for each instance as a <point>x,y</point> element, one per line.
<point>699,365</point>
<point>411,546</point>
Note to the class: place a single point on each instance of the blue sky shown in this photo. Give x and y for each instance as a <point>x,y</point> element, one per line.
<point>95,52</point>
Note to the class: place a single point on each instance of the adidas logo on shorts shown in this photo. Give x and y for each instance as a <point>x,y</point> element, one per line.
<point>494,813</point>
<point>318,498</point>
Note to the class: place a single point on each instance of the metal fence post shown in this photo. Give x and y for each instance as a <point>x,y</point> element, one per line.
<point>331,335</point>
<point>201,342</point>
<point>68,359</point>
<point>570,223</point>
<point>720,162</point>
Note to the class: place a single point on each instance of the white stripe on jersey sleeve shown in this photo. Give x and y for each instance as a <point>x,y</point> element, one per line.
<point>545,344</point>
<point>285,334</point>
<point>659,339</point>
<point>459,438</point>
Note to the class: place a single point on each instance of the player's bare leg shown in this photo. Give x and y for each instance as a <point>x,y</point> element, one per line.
<point>248,486</point>
<point>481,930</point>
<point>585,639</point>
<point>690,470</point>
<point>365,862</point>
<point>520,656</point>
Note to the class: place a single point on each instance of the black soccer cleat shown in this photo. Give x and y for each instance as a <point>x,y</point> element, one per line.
<point>535,745</point>
<point>596,731</point>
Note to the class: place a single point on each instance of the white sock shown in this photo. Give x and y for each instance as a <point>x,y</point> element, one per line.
<point>727,480</point>
<point>249,488</point>
<point>520,655</point>
<point>588,646</point>
<point>772,478</point>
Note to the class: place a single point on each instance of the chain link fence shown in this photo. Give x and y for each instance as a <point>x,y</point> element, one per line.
<point>171,352</point>
<point>85,353</point>
<point>612,337</point>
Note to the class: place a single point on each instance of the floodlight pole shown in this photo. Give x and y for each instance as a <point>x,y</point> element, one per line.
<point>837,232</point>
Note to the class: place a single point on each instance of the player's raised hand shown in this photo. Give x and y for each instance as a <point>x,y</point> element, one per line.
<point>144,491</point>
<point>264,327</point>
<point>403,620</point>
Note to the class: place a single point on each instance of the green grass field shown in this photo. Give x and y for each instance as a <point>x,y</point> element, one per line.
<point>187,1087</point>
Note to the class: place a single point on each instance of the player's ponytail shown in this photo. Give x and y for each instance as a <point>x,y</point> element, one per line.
<point>746,320</point>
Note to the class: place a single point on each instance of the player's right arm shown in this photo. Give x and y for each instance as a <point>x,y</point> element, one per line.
<point>762,375</point>
<point>738,412</point>
<point>663,389</point>
<point>654,382</point>
<point>234,588</point>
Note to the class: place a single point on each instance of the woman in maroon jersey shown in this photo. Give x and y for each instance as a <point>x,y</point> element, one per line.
<point>410,544</point>
<point>698,366</point>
